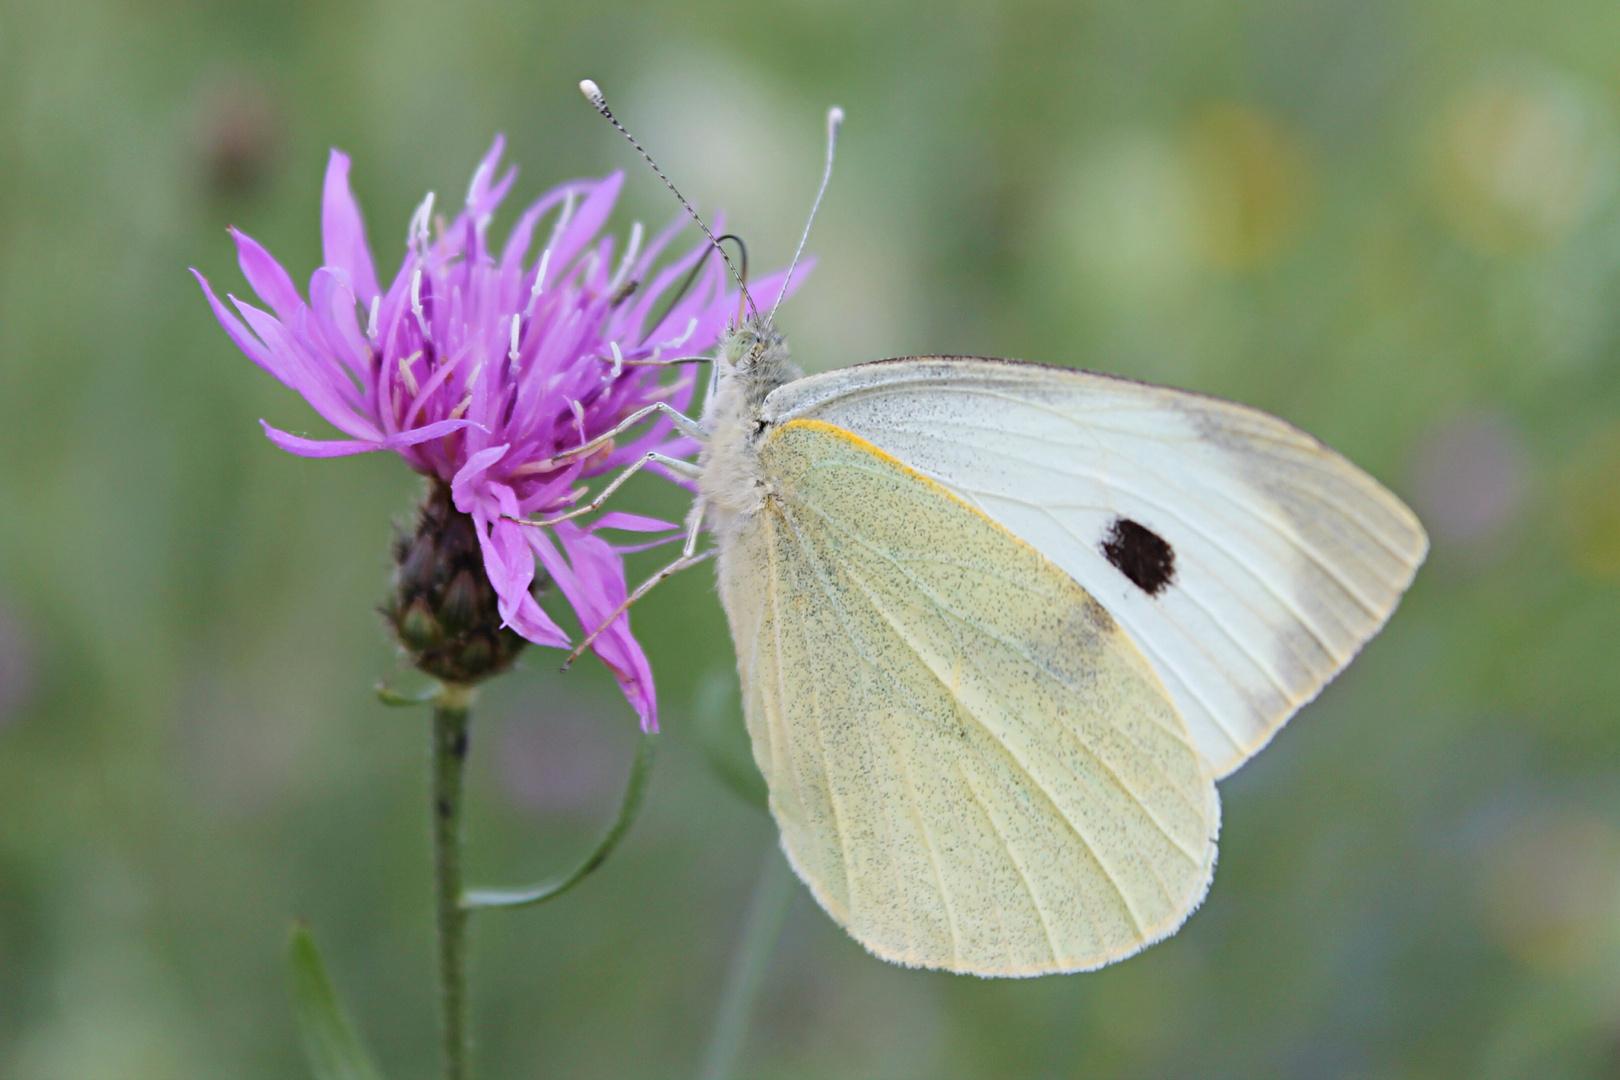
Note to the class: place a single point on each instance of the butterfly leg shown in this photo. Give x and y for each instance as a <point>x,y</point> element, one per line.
<point>673,361</point>
<point>685,424</point>
<point>687,560</point>
<point>694,526</point>
<point>684,469</point>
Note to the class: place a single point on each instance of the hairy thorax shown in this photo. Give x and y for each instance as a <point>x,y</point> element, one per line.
<point>753,360</point>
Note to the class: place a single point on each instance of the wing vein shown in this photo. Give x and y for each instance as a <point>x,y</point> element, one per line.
<point>1023,875</point>
<point>933,859</point>
<point>781,682</point>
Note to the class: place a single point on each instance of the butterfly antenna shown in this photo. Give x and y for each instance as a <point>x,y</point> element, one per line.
<point>835,120</point>
<point>593,94</point>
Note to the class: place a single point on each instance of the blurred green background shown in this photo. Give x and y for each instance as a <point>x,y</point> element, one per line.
<point>1396,224</point>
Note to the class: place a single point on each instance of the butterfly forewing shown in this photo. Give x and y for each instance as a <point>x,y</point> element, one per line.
<point>972,765</point>
<point>1246,560</point>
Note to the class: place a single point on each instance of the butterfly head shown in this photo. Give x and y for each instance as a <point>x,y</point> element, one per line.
<point>755,359</point>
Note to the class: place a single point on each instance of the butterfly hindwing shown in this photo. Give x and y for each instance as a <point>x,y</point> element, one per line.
<point>1246,560</point>
<point>972,765</point>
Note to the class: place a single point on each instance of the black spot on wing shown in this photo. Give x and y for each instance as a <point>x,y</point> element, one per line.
<point>1140,554</point>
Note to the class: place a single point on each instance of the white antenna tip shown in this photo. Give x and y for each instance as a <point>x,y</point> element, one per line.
<point>835,119</point>
<point>592,92</point>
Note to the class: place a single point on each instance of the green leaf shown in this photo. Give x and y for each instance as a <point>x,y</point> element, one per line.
<point>333,1049</point>
<point>635,790</point>
<point>403,698</point>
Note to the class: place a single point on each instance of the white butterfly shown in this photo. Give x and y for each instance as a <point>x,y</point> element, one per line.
<point>1000,627</point>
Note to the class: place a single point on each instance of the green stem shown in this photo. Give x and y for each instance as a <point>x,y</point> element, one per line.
<point>765,915</point>
<point>450,714</point>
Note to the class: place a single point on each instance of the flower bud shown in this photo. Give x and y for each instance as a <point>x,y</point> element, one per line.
<point>460,610</point>
<point>443,609</point>
<point>418,629</point>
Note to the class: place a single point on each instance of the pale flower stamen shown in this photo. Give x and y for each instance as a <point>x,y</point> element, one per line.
<point>675,343</point>
<point>416,234</point>
<point>406,375</point>
<point>539,281</point>
<point>416,304</point>
<point>563,218</point>
<point>534,468</point>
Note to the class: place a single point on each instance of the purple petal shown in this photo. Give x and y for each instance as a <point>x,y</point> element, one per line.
<point>478,190</point>
<point>432,384</point>
<point>594,587</point>
<point>618,519</point>
<point>243,338</point>
<point>343,231</point>
<point>616,646</point>
<point>273,284</point>
<point>529,620</point>
<point>423,434</point>
<point>318,448</point>
<point>653,295</point>
<point>655,248</point>
<point>331,302</point>
<point>497,194</point>
<point>310,376</point>
<point>517,246</point>
<point>471,476</point>
<point>588,219</point>
<point>509,563</point>
<point>549,495</point>
<point>704,308</point>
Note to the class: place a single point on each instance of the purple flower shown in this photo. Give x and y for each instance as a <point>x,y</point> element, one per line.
<point>483,370</point>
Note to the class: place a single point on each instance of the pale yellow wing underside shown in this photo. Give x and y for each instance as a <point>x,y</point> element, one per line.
<point>972,766</point>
